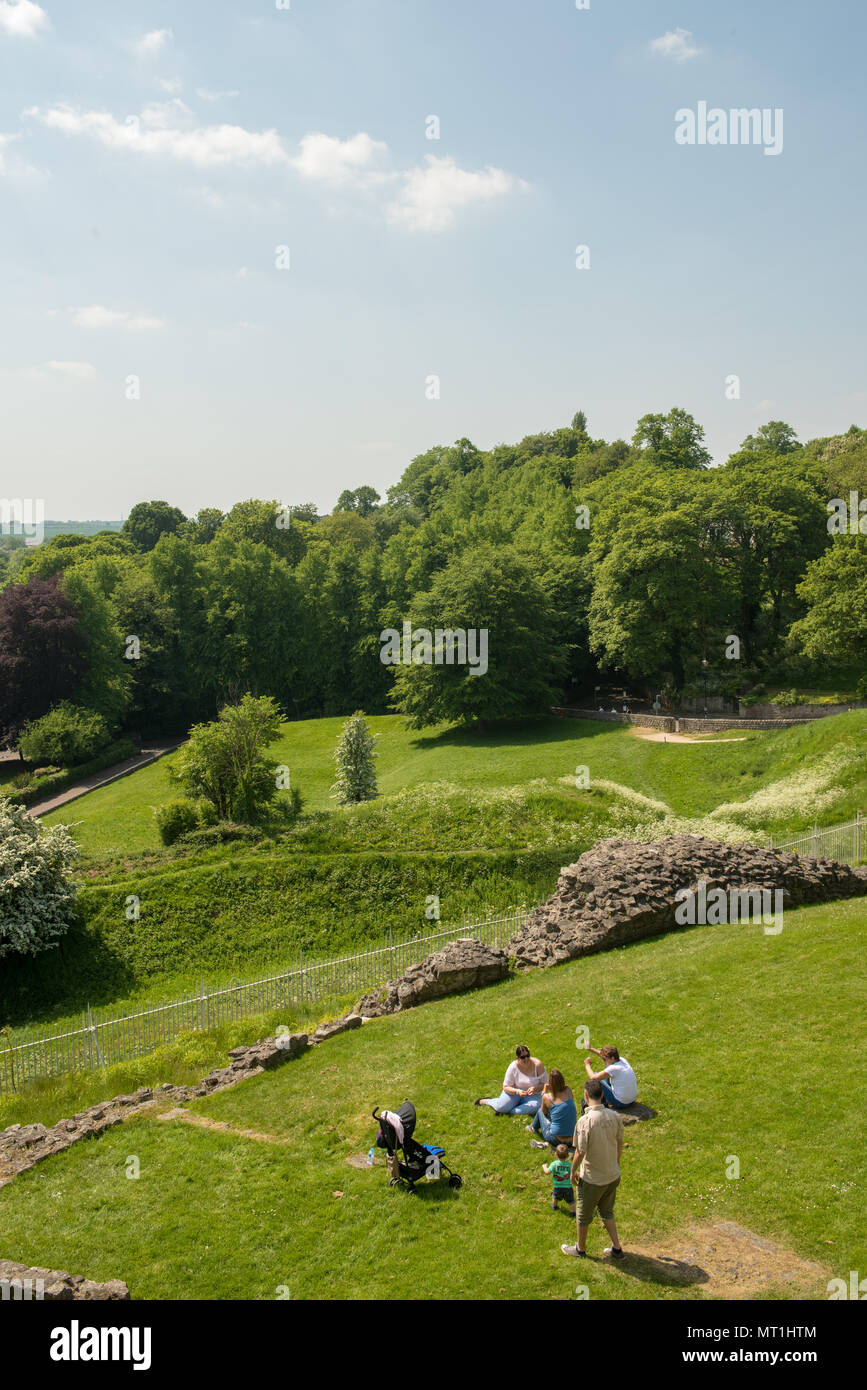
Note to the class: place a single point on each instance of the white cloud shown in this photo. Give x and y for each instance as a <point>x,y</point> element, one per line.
<point>153,42</point>
<point>432,192</point>
<point>96,316</point>
<point>207,95</point>
<point>330,160</point>
<point>153,133</point>
<point>79,371</point>
<point>677,44</point>
<point>22,18</point>
<point>170,84</point>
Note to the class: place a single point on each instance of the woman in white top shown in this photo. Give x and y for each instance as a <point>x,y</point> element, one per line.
<point>522,1086</point>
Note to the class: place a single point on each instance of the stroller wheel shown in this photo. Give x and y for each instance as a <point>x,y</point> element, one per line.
<point>456,1180</point>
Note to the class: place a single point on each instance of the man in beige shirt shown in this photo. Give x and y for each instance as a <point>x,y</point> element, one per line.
<point>598,1143</point>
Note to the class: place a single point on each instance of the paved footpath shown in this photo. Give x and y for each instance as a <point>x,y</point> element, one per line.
<point>103,778</point>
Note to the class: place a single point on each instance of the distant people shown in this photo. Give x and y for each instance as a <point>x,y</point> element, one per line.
<point>619,1084</point>
<point>598,1143</point>
<point>522,1086</point>
<point>560,1170</point>
<point>555,1119</point>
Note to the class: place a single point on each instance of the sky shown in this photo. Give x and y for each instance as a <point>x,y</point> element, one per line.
<point>233,261</point>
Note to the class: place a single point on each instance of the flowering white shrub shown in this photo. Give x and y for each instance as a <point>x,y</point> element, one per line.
<point>36,891</point>
<point>813,790</point>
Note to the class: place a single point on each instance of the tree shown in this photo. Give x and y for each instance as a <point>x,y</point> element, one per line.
<point>776,437</point>
<point>267,523</point>
<point>223,762</point>
<point>43,651</point>
<point>673,439</point>
<point>491,596</point>
<point>149,520</point>
<point>354,756</point>
<point>653,596</point>
<point>835,591</point>
<point>363,500</point>
<point>37,895</point>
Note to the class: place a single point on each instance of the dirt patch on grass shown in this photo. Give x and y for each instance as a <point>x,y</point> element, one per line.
<point>727,1261</point>
<point>204,1122</point>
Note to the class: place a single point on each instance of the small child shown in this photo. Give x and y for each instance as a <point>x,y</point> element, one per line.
<point>560,1169</point>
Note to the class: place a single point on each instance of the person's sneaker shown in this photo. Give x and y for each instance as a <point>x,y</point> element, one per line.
<point>478,1102</point>
<point>553,1205</point>
<point>530,1129</point>
<point>573,1250</point>
<point>538,1144</point>
<point>616,1252</point>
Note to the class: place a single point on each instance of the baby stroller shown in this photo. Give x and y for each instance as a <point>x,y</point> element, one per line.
<point>419,1161</point>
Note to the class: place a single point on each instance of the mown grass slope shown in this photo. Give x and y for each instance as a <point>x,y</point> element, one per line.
<point>737,1039</point>
<point>691,779</point>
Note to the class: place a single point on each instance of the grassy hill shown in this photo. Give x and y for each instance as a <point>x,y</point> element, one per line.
<point>733,1035</point>
<point>818,769</point>
<point>482,821</point>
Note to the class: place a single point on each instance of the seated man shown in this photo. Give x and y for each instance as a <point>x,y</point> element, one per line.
<point>619,1085</point>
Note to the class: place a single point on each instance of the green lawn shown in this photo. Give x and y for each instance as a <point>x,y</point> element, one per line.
<point>736,1037</point>
<point>692,779</point>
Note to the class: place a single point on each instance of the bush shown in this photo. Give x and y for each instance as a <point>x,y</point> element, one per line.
<point>176,818</point>
<point>204,838</point>
<point>67,734</point>
<point>861,688</point>
<point>51,780</point>
<point>36,894</point>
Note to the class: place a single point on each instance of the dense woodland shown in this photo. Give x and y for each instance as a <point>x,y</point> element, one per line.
<point>580,556</point>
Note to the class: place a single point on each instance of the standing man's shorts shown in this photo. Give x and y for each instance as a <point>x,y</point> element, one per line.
<point>592,1199</point>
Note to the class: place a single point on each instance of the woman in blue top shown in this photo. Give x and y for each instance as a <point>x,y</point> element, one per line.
<point>557,1118</point>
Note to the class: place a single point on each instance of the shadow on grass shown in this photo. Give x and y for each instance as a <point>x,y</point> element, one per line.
<point>507,732</point>
<point>662,1269</point>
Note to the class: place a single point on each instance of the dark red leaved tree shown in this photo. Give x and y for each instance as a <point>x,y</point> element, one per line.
<point>42,652</point>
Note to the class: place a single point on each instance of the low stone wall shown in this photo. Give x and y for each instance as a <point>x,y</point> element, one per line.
<point>28,1283</point>
<point>683,724</point>
<point>715,726</point>
<point>664,722</point>
<point>23,1146</point>
<point>621,891</point>
<point>461,965</point>
<point>772,711</point>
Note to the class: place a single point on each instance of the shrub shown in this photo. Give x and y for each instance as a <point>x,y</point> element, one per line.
<point>36,893</point>
<point>66,734</point>
<point>204,838</point>
<point>176,818</point>
<point>861,688</point>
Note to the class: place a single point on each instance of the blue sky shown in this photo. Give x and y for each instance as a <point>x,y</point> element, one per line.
<point>154,156</point>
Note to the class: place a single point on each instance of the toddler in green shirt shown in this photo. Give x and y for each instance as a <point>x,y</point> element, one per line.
<point>560,1169</point>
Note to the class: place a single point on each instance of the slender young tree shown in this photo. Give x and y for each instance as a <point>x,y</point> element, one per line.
<point>354,755</point>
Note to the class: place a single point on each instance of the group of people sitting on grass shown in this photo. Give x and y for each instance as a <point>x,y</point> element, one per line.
<point>587,1148</point>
